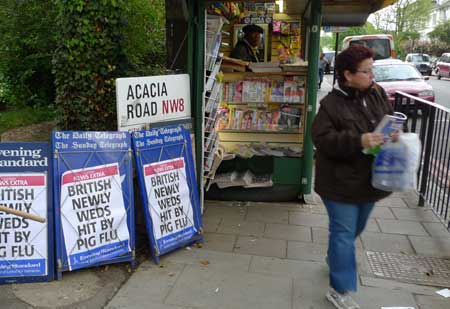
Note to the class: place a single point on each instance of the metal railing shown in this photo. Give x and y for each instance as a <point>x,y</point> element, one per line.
<point>432,122</point>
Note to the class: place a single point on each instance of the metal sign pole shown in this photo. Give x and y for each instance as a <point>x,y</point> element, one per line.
<point>336,46</point>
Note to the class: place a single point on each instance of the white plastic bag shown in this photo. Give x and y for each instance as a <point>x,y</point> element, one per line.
<point>395,166</point>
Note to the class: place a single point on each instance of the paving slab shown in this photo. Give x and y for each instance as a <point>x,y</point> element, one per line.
<point>310,279</point>
<point>433,302</point>
<point>296,206</point>
<point>316,209</point>
<point>221,261</point>
<point>241,227</point>
<point>149,304</point>
<point>150,284</point>
<point>412,201</point>
<point>287,232</point>
<point>401,227</point>
<point>261,246</point>
<point>320,236</point>
<point>386,242</point>
<point>306,251</point>
<point>310,289</point>
<point>382,213</point>
<point>372,226</point>
<point>208,288</point>
<point>267,215</point>
<point>396,285</point>
<point>422,215</point>
<point>436,229</point>
<point>375,298</point>
<point>431,246</point>
<point>225,211</point>
<point>313,220</point>
<point>219,242</point>
<point>392,202</point>
<point>211,223</point>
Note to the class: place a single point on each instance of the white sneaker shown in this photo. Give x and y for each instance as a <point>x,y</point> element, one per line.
<point>341,301</point>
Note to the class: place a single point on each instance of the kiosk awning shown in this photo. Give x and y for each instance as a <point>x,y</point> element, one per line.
<point>339,12</point>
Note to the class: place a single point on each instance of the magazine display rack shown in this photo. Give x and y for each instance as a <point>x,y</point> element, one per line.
<point>262,109</point>
<point>261,115</point>
<point>253,121</point>
<point>212,89</point>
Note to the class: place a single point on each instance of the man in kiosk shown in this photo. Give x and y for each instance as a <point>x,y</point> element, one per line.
<point>247,48</point>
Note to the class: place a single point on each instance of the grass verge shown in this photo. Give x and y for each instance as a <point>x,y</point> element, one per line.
<point>24,116</point>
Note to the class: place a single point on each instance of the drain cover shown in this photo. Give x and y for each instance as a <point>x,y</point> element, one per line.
<point>417,269</point>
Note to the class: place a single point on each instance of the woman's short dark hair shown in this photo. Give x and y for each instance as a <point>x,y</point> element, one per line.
<point>350,58</point>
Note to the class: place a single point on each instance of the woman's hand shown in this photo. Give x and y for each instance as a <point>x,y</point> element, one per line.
<point>369,140</point>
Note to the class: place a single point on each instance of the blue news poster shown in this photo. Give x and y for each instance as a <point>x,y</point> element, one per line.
<point>166,174</point>
<point>26,213</point>
<point>93,199</point>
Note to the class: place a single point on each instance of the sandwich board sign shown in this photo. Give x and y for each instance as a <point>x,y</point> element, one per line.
<point>169,193</point>
<point>26,213</point>
<point>94,201</point>
<point>142,101</point>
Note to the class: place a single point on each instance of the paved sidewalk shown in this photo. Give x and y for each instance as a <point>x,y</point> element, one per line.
<point>261,255</point>
<point>255,256</point>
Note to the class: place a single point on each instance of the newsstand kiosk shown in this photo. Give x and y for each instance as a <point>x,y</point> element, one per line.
<point>252,120</point>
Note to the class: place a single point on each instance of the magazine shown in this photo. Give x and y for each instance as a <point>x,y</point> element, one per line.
<point>388,125</point>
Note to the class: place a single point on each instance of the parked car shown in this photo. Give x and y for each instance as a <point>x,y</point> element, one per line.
<point>329,55</point>
<point>443,66</point>
<point>421,61</point>
<point>396,75</point>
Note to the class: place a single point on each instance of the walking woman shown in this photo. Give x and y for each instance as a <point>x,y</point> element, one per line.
<point>341,129</point>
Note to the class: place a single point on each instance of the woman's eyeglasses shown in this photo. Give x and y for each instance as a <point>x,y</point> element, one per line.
<point>369,71</point>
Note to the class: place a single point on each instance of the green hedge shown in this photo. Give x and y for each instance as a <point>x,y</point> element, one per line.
<point>88,59</point>
<point>99,41</point>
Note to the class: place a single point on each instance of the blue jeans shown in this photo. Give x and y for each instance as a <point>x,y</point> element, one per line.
<point>347,221</point>
<point>321,74</point>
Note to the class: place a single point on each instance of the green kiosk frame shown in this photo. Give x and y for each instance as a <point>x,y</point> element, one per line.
<point>297,171</point>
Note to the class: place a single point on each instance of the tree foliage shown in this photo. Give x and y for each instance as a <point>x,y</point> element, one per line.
<point>329,42</point>
<point>144,37</point>
<point>26,46</point>
<point>441,33</point>
<point>403,16</point>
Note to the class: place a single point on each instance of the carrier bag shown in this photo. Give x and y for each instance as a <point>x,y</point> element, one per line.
<point>396,164</point>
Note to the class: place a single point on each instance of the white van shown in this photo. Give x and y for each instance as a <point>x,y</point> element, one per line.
<point>382,44</point>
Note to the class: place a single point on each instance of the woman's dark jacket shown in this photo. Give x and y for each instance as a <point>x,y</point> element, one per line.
<point>343,172</point>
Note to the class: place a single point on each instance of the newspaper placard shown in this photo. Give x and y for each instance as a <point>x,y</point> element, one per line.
<point>22,251</point>
<point>93,215</point>
<point>169,202</point>
<point>94,198</point>
<point>26,207</point>
<point>166,174</point>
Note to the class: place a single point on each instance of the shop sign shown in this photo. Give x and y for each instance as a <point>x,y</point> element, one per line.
<point>142,101</point>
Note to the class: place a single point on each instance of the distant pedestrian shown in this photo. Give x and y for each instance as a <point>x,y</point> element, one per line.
<point>322,65</point>
<point>340,131</point>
